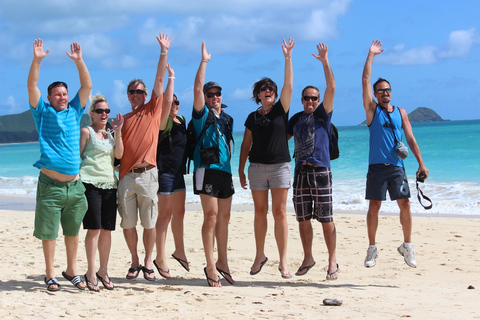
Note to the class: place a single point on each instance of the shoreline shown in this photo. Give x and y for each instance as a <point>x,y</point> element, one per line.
<point>19,203</point>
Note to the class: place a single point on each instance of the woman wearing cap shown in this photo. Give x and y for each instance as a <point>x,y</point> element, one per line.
<point>172,140</point>
<point>265,144</point>
<point>212,177</point>
<point>98,150</point>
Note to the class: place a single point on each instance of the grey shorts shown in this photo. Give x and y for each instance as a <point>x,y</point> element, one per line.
<point>269,176</point>
<point>137,192</point>
<point>312,194</point>
<point>382,177</point>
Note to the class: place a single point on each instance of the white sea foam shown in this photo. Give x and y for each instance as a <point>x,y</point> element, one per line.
<point>462,198</point>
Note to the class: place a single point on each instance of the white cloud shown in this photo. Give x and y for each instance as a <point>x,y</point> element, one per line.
<point>119,98</point>
<point>242,93</point>
<point>124,62</point>
<point>415,56</point>
<point>11,105</point>
<point>459,44</point>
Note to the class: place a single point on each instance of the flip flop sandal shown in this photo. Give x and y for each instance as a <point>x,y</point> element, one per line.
<point>306,268</point>
<point>91,285</point>
<point>161,271</point>
<point>183,263</point>
<point>329,274</point>
<point>259,267</point>
<point>135,270</point>
<point>106,284</point>
<point>226,276</point>
<point>76,280</point>
<point>51,282</point>
<point>148,271</point>
<point>210,279</point>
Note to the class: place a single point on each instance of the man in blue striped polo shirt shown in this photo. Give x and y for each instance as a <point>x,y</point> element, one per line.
<point>60,192</point>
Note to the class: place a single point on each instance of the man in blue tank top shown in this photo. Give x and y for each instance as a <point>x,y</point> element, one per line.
<point>60,191</point>
<point>386,170</point>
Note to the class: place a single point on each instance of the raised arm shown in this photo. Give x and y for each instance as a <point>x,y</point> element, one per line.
<point>85,81</point>
<point>167,98</point>
<point>162,63</point>
<point>32,81</point>
<point>329,78</point>
<point>117,127</point>
<point>412,143</point>
<point>286,94</point>
<point>198,96</point>
<point>368,103</point>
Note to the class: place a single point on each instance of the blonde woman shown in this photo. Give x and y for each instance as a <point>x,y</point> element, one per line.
<point>98,149</point>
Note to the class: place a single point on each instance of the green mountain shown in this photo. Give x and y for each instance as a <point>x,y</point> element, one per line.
<point>421,114</point>
<point>20,127</point>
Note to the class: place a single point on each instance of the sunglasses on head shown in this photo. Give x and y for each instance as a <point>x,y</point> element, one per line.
<point>176,102</point>
<point>388,90</point>
<point>100,111</point>
<point>309,98</point>
<point>212,94</point>
<point>137,91</point>
<point>269,88</point>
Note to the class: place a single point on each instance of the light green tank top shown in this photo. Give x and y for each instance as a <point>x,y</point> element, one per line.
<point>97,161</point>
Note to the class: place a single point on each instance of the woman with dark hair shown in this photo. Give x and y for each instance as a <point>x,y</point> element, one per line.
<point>172,141</point>
<point>265,143</point>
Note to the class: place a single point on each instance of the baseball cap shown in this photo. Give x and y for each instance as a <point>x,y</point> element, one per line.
<point>209,85</point>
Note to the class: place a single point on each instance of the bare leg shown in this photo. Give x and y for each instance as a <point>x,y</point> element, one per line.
<point>104,246</point>
<point>221,232</point>
<point>131,237</point>
<point>405,219</point>
<point>177,224</point>
<point>306,235</point>
<point>330,235</point>
<point>372,220</point>
<point>161,227</point>
<point>210,212</point>
<point>279,210</point>
<point>49,255</point>
<point>260,201</point>
<point>149,236</point>
<point>91,245</point>
<point>71,244</point>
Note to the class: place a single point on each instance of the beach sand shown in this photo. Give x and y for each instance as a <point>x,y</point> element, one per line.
<point>447,253</point>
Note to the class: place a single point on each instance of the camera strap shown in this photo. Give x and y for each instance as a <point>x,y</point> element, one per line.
<point>420,192</point>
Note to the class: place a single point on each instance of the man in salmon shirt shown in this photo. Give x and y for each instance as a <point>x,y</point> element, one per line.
<point>138,185</point>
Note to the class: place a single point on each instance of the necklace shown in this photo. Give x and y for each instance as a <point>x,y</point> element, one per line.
<point>262,110</point>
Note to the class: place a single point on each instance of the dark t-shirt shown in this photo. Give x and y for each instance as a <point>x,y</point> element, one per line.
<point>269,133</point>
<point>171,150</point>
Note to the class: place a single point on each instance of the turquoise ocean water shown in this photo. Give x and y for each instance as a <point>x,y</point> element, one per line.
<point>450,149</point>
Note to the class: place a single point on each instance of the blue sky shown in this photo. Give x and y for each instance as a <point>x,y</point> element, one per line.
<point>431,58</point>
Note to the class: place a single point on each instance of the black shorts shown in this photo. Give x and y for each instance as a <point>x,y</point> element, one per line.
<point>382,177</point>
<point>215,183</point>
<point>102,208</point>
<point>312,194</point>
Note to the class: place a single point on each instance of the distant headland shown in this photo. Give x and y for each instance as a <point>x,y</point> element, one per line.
<point>421,114</point>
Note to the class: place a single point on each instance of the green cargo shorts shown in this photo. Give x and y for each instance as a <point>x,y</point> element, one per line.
<point>59,203</point>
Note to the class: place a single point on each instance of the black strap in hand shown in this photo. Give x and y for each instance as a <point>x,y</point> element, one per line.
<point>420,192</point>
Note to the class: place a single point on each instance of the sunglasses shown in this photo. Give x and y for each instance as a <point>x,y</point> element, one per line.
<point>388,90</point>
<point>137,91</point>
<point>100,111</point>
<point>308,98</point>
<point>212,94</point>
<point>269,88</point>
<point>176,102</point>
